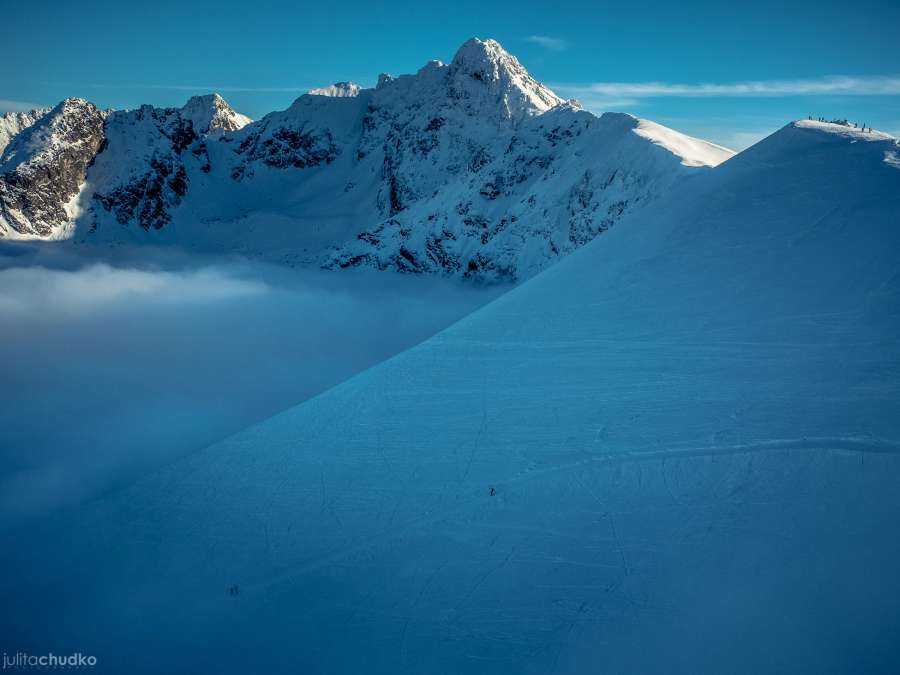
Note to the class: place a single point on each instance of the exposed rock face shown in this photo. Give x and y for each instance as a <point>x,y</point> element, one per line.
<point>145,173</point>
<point>487,174</point>
<point>282,147</point>
<point>520,200</point>
<point>138,162</point>
<point>471,169</point>
<point>44,166</point>
<point>142,177</point>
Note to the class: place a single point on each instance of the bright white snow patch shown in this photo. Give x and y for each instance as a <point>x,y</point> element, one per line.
<point>338,89</point>
<point>211,113</point>
<point>693,151</point>
<point>12,123</point>
<point>854,133</point>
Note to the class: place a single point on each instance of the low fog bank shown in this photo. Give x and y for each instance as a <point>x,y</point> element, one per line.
<point>113,361</point>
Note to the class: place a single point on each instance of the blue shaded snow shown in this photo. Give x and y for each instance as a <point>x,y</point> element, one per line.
<point>691,428</point>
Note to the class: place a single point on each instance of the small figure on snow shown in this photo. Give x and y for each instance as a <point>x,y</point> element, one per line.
<point>233,590</point>
<point>493,492</point>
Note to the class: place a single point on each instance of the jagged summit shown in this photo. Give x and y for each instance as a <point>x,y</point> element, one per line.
<point>483,80</point>
<point>486,62</point>
<point>337,90</point>
<point>476,54</point>
<point>44,167</point>
<point>48,135</point>
<point>211,112</point>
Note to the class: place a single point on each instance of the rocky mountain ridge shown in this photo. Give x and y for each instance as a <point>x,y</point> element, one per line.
<point>471,168</point>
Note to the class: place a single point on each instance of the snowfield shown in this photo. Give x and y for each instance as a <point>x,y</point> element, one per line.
<point>676,451</point>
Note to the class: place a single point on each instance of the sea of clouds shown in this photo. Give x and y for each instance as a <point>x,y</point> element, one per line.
<point>115,361</point>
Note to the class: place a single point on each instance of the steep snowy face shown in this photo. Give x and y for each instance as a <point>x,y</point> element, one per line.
<point>43,168</point>
<point>312,132</point>
<point>682,433</point>
<point>141,176</point>
<point>150,158</point>
<point>502,205</point>
<point>486,174</point>
<point>12,123</point>
<point>212,113</point>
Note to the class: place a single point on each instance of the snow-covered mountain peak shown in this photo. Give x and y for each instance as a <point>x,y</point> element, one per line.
<point>46,135</point>
<point>486,63</point>
<point>337,90</point>
<point>799,138</point>
<point>211,112</point>
<point>483,56</point>
<point>471,169</point>
<point>844,130</point>
<point>12,123</point>
<point>44,167</point>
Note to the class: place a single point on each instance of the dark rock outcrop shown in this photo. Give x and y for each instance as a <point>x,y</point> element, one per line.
<point>43,168</point>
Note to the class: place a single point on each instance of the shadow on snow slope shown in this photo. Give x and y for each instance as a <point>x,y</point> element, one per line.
<point>691,432</point>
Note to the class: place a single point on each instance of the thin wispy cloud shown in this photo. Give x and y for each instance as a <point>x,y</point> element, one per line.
<point>16,106</point>
<point>604,103</point>
<point>835,85</point>
<point>205,87</point>
<point>547,42</point>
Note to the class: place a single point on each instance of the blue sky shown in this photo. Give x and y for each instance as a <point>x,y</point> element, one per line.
<point>707,68</point>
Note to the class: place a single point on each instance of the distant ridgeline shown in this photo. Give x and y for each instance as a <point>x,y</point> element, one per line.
<point>471,169</point>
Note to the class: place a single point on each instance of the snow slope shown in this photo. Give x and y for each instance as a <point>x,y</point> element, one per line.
<point>12,123</point>
<point>690,427</point>
<point>692,151</point>
<point>470,169</point>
